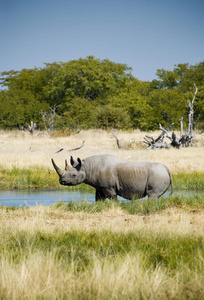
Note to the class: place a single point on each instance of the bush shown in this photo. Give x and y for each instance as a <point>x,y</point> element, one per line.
<point>108,116</point>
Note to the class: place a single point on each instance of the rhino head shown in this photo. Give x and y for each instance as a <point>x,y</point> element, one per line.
<point>71,175</point>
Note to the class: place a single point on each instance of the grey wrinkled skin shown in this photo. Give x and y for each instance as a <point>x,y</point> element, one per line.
<point>111,176</point>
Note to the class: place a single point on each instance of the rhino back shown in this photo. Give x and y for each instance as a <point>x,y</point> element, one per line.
<point>101,170</point>
<point>127,178</point>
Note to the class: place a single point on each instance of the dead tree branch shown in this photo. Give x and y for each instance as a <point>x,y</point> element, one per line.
<point>187,138</point>
<point>30,127</point>
<point>159,141</point>
<point>165,131</point>
<point>117,140</point>
<point>74,149</point>
<point>191,112</point>
<point>78,147</point>
<point>60,150</point>
<point>181,125</point>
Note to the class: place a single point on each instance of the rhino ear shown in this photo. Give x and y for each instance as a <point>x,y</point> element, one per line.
<point>79,161</point>
<point>75,163</point>
<point>80,165</point>
<point>72,161</point>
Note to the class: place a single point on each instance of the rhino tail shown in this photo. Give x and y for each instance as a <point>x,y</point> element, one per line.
<point>171,181</point>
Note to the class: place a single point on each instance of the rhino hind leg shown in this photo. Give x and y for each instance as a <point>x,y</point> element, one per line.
<point>155,189</point>
<point>156,193</point>
<point>153,195</point>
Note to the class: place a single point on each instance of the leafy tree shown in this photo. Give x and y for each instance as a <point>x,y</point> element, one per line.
<point>90,78</point>
<point>33,80</point>
<point>108,116</point>
<point>93,93</point>
<point>19,107</point>
<point>182,79</point>
<point>77,114</point>
<point>167,79</point>
<point>167,106</point>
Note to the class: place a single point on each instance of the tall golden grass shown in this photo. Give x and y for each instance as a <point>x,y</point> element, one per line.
<point>21,149</point>
<point>56,253</point>
<point>33,273</point>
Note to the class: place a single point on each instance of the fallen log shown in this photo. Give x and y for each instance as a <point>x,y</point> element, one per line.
<point>175,143</point>
<point>159,141</point>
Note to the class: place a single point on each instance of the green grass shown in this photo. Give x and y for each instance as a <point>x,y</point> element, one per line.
<point>40,260</point>
<point>40,178</point>
<point>143,207</point>
<point>100,264</point>
<point>34,178</point>
<point>190,181</point>
<point>166,250</point>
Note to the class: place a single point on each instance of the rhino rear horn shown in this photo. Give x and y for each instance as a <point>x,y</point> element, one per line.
<point>67,167</point>
<point>66,164</point>
<point>57,169</point>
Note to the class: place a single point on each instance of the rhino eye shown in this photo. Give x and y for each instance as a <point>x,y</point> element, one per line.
<point>73,175</point>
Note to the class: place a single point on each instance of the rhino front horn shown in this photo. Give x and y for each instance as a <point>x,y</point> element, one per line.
<point>58,170</point>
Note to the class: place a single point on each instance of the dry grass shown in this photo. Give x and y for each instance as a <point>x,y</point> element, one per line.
<point>38,274</point>
<point>172,220</point>
<point>20,149</point>
<point>33,263</point>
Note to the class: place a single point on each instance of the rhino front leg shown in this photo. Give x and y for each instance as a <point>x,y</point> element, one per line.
<point>114,197</point>
<point>111,194</point>
<point>99,195</point>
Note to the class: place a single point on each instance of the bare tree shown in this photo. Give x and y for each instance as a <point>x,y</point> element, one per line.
<point>29,128</point>
<point>181,125</point>
<point>32,127</point>
<point>48,118</point>
<point>187,138</point>
<point>191,113</point>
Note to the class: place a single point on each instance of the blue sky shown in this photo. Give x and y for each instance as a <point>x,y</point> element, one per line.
<point>145,35</point>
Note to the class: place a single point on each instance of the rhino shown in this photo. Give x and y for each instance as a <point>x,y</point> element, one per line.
<point>112,177</point>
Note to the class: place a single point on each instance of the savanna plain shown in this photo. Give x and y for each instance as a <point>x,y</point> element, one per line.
<point>149,249</point>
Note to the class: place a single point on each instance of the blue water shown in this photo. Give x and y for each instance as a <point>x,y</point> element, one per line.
<point>31,198</point>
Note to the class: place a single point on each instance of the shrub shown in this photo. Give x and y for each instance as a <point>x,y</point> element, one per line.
<point>108,116</point>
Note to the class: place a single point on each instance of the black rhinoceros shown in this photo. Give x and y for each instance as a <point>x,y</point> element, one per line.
<point>111,176</point>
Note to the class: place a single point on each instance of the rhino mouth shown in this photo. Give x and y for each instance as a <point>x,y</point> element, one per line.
<point>64,182</point>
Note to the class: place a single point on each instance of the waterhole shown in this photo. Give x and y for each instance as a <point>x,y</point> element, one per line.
<point>31,198</point>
